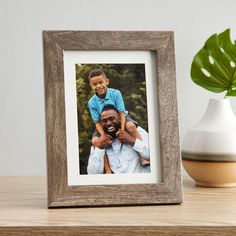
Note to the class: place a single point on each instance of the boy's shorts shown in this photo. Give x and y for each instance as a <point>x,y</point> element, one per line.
<point>128,119</point>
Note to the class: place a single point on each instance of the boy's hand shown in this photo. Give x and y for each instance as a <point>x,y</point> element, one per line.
<point>125,137</point>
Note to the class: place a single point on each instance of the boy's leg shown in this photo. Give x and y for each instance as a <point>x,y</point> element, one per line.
<point>131,128</point>
<point>107,168</point>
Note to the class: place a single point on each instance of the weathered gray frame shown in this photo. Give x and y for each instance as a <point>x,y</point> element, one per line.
<point>59,193</point>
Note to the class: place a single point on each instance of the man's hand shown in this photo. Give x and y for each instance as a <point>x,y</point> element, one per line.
<point>104,140</point>
<point>125,137</point>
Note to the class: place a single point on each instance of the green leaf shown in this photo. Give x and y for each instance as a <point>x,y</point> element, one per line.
<point>214,66</point>
<point>231,92</point>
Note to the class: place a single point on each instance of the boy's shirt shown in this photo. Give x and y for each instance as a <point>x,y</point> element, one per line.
<point>96,104</point>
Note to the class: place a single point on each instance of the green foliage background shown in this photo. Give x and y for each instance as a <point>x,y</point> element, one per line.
<point>129,79</point>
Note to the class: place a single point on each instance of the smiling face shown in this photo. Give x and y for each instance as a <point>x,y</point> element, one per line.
<point>99,85</point>
<point>110,121</point>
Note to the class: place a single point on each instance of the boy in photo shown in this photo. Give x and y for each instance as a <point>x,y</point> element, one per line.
<point>108,96</point>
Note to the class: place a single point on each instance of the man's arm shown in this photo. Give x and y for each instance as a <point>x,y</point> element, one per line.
<point>125,137</point>
<point>96,161</point>
<point>96,158</point>
<point>140,146</point>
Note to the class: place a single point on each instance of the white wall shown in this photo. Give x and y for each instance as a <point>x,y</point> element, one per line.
<point>22,128</point>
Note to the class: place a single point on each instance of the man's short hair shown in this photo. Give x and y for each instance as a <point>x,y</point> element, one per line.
<point>96,72</point>
<point>109,107</point>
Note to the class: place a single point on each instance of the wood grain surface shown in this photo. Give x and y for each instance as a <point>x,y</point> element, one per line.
<point>205,211</point>
<point>162,44</point>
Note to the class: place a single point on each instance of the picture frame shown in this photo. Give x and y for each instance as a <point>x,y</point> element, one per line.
<point>160,44</point>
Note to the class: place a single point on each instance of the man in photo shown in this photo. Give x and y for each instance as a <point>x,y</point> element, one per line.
<point>122,149</point>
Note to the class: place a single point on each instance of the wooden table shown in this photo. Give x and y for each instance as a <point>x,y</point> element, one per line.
<point>205,211</point>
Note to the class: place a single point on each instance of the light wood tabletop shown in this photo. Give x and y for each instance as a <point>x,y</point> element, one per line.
<point>205,211</point>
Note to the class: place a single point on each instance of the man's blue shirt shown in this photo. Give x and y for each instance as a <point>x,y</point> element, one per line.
<point>96,104</point>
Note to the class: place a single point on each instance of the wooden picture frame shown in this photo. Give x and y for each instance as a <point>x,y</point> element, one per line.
<point>60,194</point>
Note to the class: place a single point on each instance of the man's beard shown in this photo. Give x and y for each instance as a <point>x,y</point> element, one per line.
<point>113,133</point>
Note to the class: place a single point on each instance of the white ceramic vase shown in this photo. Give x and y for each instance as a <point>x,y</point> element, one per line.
<point>209,148</point>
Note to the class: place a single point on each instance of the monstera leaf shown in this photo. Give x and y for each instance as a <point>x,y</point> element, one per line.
<point>214,66</point>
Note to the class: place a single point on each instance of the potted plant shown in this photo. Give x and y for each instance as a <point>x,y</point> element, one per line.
<point>209,148</point>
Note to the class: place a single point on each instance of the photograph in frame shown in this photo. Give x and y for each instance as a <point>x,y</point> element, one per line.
<point>104,87</point>
<point>68,163</point>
